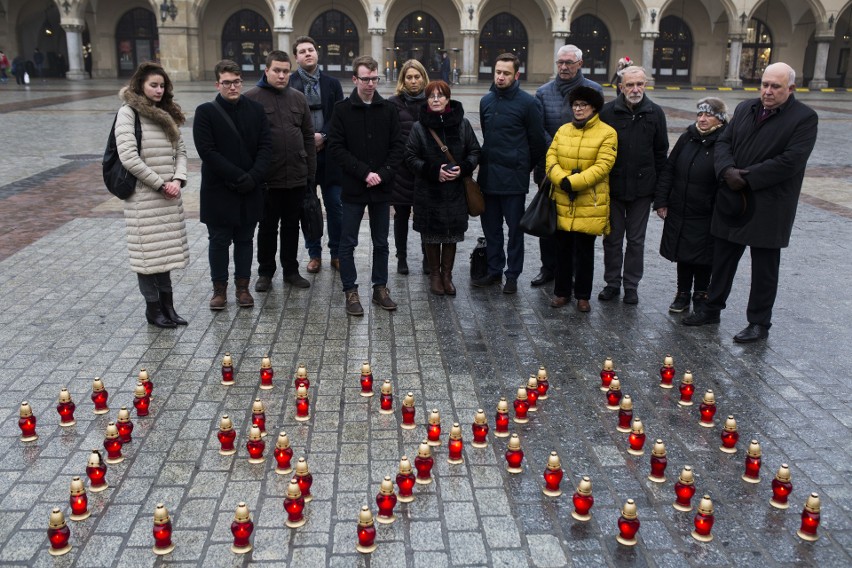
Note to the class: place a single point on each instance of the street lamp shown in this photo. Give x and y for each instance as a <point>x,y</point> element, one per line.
<point>168,9</point>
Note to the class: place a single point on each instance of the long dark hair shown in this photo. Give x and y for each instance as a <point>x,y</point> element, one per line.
<point>167,103</point>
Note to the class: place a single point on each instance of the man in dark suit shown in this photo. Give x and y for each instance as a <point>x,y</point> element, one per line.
<point>322,92</point>
<point>233,140</point>
<point>761,159</point>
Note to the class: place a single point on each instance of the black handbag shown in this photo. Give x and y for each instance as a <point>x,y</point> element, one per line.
<point>539,220</point>
<point>117,179</point>
<point>311,216</point>
<point>478,260</point>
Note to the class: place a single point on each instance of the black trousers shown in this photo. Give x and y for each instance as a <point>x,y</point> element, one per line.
<point>765,263</point>
<point>282,206</point>
<point>687,272</point>
<point>547,249</point>
<point>575,258</point>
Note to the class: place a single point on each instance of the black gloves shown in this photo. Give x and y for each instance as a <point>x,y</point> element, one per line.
<point>244,184</point>
<point>734,178</point>
<point>565,185</point>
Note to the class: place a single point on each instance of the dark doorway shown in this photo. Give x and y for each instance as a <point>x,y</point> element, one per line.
<point>590,34</point>
<point>504,33</point>
<point>247,39</point>
<point>337,42</point>
<point>419,36</point>
<point>673,51</point>
<point>136,39</point>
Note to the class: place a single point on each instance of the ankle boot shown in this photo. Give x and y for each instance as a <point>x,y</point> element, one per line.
<point>433,255</point>
<point>168,307</point>
<point>242,294</point>
<point>220,297</point>
<point>699,298</point>
<point>155,316</point>
<point>448,258</point>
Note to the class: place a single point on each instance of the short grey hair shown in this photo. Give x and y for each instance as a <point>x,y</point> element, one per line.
<point>631,69</point>
<point>578,53</point>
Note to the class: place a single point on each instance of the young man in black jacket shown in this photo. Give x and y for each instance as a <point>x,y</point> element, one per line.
<point>364,139</point>
<point>235,154</point>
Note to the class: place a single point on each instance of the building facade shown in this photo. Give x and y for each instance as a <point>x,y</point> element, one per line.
<point>682,42</point>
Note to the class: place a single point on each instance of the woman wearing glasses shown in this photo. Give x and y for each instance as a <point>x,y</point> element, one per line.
<point>578,164</point>
<point>156,232</point>
<point>440,206</point>
<point>410,96</point>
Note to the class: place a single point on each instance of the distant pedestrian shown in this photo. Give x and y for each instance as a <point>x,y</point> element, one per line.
<point>4,64</point>
<point>365,140</point>
<point>18,69</point>
<point>445,67</point>
<point>622,64</point>
<point>761,158</point>
<point>156,230</point>
<point>38,60</point>
<point>685,196</point>
<point>235,156</point>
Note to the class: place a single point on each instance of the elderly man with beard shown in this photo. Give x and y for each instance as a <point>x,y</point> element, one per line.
<point>556,111</point>
<point>760,160</point>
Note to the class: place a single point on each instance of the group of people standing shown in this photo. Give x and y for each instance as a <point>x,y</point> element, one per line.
<point>605,165</point>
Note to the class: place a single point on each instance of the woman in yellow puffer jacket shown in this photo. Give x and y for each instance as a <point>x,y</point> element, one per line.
<point>578,164</point>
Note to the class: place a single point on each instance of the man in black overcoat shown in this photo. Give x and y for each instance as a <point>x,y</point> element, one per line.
<point>234,143</point>
<point>760,161</point>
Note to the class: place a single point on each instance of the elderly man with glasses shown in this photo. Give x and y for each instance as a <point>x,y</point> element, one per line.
<point>556,111</point>
<point>365,140</point>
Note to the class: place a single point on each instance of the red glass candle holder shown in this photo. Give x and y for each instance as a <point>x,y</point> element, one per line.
<point>366,380</point>
<point>781,488</point>
<point>58,534</point>
<point>241,528</point>
<point>405,481</point>
<point>625,414</point>
<point>303,405</point>
<point>124,425</point>
<point>283,454</point>
<point>810,519</point>
<point>294,505</point>
<point>455,445</point>
<point>501,419</point>
<point>583,500</point>
<point>703,521</point>
<point>707,410</point>
<point>636,440</point>
<point>266,373</point>
<point>366,532</point>
<point>667,372</point>
<point>607,374</point>
<point>408,412</point>
<point>423,464</point>
<point>385,502</point>
<point>687,389</point>
<point>522,407</point>
<point>553,476</point>
<point>65,407</point>
<point>628,524</point>
<point>305,479</point>
<point>479,428</point>
<point>162,531</point>
<point>96,471</point>
<point>614,394</point>
<point>146,381</point>
<point>684,490</point>
<point>78,500</point>
<point>255,446</point>
<point>543,383</point>
<point>112,445</point>
<point>258,416</point>
<point>532,394</point>
<point>514,455</point>
<point>27,423</point>
<point>301,377</point>
<point>226,436</point>
<point>227,370</point>
<point>658,462</point>
<point>386,398</point>
<point>100,396</point>
<point>729,436</point>
<point>141,400</point>
<point>433,428</point>
<point>752,463</point>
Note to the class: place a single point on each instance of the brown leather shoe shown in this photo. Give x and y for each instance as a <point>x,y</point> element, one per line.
<point>559,302</point>
<point>383,299</point>
<point>314,265</point>
<point>353,303</point>
<point>220,298</point>
<point>242,294</point>
<point>583,306</point>
<point>335,264</point>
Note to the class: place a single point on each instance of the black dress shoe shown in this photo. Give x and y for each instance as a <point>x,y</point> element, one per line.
<point>486,281</point>
<point>700,318</point>
<point>544,276</point>
<point>608,293</point>
<point>631,296</point>
<point>511,286</point>
<point>754,332</point>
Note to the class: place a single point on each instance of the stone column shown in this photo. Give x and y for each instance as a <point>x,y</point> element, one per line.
<point>734,58</point>
<point>174,51</point>
<point>469,73</point>
<point>282,41</point>
<point>74,39</point>
<point>819,82</point>
<point>558,42</point>
<point>648,54</point>
<point>376,47</point>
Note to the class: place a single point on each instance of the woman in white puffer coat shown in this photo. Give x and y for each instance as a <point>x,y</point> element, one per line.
<point>156,231</point>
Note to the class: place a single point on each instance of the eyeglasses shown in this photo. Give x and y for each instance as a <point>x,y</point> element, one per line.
<point>438,96</point>
<point>376,80</point>
<point>566,63</point>
<point>580,106</point>
<point>228,84</point>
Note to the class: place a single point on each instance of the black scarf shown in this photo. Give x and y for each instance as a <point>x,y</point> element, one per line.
<point>566,86</point>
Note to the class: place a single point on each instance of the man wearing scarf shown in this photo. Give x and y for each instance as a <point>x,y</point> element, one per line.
<point>556,111</point>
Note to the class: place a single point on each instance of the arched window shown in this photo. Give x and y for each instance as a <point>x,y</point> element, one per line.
<point>247,39</point>
<point>672,51</point>
<point>757,51</point>
<point>419,36</point>
<point>501,34</point>
<point>136,40</point>
<point>591,35</point>
<point>337,42</point>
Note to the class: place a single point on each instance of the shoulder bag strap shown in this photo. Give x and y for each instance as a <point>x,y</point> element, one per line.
<point>233,126</point>
<point>137,129</point>
<point>442,146</point>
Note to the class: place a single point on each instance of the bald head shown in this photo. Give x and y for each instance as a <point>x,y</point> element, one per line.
<point>776,85</point>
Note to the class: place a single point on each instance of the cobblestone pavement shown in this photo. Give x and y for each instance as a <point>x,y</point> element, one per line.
<point>72,312</point>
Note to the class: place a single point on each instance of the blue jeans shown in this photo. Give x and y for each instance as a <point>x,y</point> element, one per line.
<point>510,208</point>
<point>218,252</point>
<point>379,227</point>
<point>333,216</point>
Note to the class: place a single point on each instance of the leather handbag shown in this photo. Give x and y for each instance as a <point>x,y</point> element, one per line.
<point>311,216</point>
<point>117,179</point>
<point>539,219</point>
<point>472,191</point>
